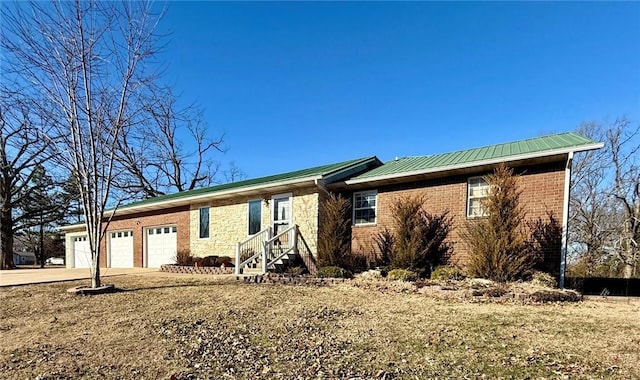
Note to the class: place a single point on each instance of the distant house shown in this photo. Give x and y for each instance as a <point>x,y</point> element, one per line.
<point>24,258</point>
<point>22,254</point>
<point>236,219</point>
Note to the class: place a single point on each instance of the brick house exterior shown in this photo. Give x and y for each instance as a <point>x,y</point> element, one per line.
<point>138,223</point>
<point>542,192</point>
<point>213,221</point>
<point>227,216</point>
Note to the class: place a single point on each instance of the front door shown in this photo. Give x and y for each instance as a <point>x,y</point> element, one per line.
<point>281,219</point>
<point>281,212</point>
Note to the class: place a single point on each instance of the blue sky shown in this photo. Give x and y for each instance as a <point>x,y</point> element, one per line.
<point>294,85</point>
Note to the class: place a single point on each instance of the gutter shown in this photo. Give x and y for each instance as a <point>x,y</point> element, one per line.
<point>474,164</point>
<point>316,179</point>
<point>191,199</point>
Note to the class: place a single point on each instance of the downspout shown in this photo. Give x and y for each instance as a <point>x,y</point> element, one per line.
<point>565,218</point>
<point>320,184</point>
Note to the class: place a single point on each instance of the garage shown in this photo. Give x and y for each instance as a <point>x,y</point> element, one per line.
<point>161,246</point>
<point>121,249</point>
<point>81,252</point>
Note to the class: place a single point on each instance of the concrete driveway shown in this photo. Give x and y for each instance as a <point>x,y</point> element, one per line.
<point>52,274</point>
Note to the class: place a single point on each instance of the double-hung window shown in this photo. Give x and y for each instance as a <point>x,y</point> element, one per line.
<point>364,207</point>
<point>477,191</point>
<point>204,223</point>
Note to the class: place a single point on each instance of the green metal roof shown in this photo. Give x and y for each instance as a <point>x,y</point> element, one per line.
<point>536,146</point>
<point>318,171</point>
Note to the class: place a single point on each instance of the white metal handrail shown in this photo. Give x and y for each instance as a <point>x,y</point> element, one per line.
<point>251,248</point>
<point>269,258</point>
<point>271,249</point>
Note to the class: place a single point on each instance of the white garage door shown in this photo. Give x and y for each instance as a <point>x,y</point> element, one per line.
<point>121,249</point>
<point>161,246</point>
<point>81,252</point>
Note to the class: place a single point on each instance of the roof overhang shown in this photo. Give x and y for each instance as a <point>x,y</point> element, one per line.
<point>73,227</point>
<point>257,190</point>
<point>468,168</point>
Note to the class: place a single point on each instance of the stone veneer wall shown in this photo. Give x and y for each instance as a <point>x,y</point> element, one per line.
<point>229,221</point>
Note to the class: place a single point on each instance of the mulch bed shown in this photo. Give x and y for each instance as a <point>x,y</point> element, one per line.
<point>469,290</point>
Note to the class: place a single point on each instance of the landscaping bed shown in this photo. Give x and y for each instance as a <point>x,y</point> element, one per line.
<point>472,290</point>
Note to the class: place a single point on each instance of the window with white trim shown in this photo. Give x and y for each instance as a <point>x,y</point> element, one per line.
<point>477,191</point>
<point>204,223</point>
<point>364,207</point>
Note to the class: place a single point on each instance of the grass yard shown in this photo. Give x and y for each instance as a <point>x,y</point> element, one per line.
<point>163,326</point>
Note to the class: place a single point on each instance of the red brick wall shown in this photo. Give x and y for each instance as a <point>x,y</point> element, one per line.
<point>178,216</point>
<point>542,189</point>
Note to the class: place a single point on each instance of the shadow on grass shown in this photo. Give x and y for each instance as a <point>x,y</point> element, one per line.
<point>168,286</point>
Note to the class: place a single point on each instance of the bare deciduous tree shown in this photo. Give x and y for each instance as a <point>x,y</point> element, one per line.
<point>22,152</point>
<point>590,225</point>
<point>88,66</point>
<point>170,151</point>
<point>605,201</point>
<point>234,173</point>
<point>622,142</point>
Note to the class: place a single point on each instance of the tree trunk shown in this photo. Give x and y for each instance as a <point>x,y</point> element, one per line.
<point>628,270</point>
<point>6,240</point>
<point>41,243</point>
<point>629,263</point>
<point>95,275</point>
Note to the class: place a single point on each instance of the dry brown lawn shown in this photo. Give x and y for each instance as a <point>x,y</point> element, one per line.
<point>162,326</point>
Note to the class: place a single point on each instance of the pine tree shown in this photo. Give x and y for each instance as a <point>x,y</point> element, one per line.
<point>334,235</point>
<point>41,207</point>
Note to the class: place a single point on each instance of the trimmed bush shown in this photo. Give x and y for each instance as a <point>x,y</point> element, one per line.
<point>402,275</point>
<point>384,241</point>
<point>446,272</point>
<point>211,261</point>
<point>184,258</point>
<point>371,273</point>
<point>208,261</point>
<point>333,272</point>
<point>543,279</point>
<point>418,241</point>
<point>226,260</point>
<point>384,270</point>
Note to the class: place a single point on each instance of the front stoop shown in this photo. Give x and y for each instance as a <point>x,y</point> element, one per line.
<point>195,270</point>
